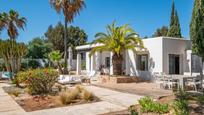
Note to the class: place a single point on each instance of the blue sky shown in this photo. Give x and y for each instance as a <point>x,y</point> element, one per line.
<point>145,16</point>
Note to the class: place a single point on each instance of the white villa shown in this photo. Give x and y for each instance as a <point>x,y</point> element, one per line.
<point>162,54</point>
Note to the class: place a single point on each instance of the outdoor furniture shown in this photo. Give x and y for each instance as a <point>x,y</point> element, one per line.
<point>182,79</point>
<point>193,82</point>
<point>169,83</point>
<point>6,75</point>
<point>159,79</point>
<point>66,79</point>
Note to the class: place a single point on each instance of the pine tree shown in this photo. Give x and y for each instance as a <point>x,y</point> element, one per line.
<point>174,29</point>
<point>197,28</point>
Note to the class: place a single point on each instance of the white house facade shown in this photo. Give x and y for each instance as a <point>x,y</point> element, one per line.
<point>161,54</point>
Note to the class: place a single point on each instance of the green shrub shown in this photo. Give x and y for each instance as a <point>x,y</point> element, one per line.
<point>33,64</point>
<point>148,105</point>
<point>21,77</point>
<point>132,110</point>
<point>41,81</point>
<point>200,99</point>
<point>180,107</point>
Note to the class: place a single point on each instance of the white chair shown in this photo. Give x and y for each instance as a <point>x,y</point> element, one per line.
<point>170,83</point>
<point>159,79</point>
<point>193,82</point>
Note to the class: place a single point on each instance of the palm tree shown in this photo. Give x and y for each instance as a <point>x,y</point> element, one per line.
<point>70,9</point>
<point>55,57</point>
<point>11,22</point>
<point>117,40</point>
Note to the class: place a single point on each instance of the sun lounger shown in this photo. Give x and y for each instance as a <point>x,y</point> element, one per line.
<point>68,79</point>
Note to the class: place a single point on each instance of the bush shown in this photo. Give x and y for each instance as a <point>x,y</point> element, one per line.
<point>132,110</point>
<point>180,107</point>
<point>87,95</point>
<point>67,97</point>
<point>148,105</point>
<point>21,77</point>
<point>14,92</point>
<point>41,81</point>
<point>33,64</point>
<point>200,99</point>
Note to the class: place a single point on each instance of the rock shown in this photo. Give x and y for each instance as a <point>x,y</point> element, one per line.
<point>51,105</point>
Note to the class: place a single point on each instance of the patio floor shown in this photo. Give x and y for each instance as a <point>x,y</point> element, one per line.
<point>143,89</point>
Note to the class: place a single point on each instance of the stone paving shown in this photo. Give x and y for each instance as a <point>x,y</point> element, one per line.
<point>110,101</point>
<point>143,88</point>
<point>7,105</point>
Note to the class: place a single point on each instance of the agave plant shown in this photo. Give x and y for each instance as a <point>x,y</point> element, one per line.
<point>117,40</point>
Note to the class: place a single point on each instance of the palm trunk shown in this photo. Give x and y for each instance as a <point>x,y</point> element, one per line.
<point>117,64</point>
<point>65,48</point>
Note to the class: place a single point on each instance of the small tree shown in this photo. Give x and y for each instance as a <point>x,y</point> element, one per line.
<point>12,54</point>
<point>161,32</point>
<point>55,57</point>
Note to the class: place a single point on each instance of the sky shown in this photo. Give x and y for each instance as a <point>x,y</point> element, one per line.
<point>144,16</point>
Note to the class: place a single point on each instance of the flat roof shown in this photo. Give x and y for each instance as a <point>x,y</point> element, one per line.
<point>90,46</point>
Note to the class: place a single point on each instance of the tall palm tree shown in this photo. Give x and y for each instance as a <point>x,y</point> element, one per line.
<point>70,9</point>
<point>12,22</point>
<point>117,40</point>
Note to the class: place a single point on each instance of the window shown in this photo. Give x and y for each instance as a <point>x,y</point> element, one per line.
<point>142,61</point>
<point>107,62</point>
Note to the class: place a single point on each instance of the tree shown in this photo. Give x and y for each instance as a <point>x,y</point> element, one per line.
<point>197,28</point>
<point>174,29</point>
<point>70,9</point>
<point>38,49</point>
<point>55,57</point>
<point>12,54</point>
<point>161,32</point>
<point>11,22</point>
<point>117,39</point>
<point>55,35</point>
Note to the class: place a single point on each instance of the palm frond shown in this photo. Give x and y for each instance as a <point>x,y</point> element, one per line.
<point>117,39</point>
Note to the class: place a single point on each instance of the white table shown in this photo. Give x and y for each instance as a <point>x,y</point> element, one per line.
<point>182,79</point>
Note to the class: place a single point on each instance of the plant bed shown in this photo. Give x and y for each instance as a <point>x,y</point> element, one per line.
<point>195,106</point>
<point>119,79</point>
<point>39,102</point>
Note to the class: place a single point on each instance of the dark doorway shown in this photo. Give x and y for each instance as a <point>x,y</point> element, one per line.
<point>174,64</point>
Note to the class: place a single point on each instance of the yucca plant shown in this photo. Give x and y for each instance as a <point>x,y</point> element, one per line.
<point>12,54</point>
<point>117,40</point>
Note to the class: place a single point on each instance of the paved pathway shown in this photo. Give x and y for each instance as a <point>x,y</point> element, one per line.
<point>110,101</point>
<point>7,105</point>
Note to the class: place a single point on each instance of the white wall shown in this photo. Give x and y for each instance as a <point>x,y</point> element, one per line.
<point>154,46</point>
<point>174,46</point>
